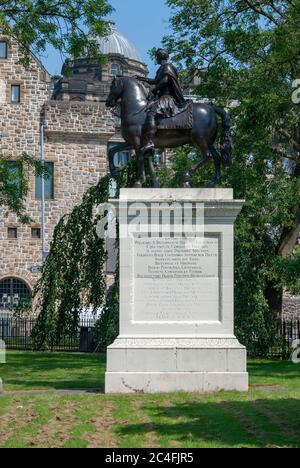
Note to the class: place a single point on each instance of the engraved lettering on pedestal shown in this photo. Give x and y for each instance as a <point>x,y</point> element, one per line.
<point>176,280</point>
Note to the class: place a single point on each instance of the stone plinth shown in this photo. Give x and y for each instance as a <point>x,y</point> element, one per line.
<point>176,294</point>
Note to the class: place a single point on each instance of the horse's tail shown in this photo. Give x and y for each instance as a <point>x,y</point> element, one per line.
<point>226,137</point>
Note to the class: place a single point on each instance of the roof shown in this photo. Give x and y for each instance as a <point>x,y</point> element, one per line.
<point>116,43</point>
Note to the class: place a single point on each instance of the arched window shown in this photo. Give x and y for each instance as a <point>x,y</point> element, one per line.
<point>13,292</point>
<point>115,69</point>
<point>121,159</point>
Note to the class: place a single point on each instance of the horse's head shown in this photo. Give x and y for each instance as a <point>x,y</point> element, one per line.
<point>116,91</point>
<point>122,85</point>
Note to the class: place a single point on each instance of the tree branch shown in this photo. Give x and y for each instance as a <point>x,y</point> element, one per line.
<point>262,12</point>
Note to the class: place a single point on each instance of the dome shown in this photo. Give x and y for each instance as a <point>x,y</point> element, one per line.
<point>116,43</point>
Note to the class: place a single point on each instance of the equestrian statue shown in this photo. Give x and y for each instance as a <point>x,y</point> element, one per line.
<point>162,118</point>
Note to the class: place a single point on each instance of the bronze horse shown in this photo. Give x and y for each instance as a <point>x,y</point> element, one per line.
<point>133,99</point>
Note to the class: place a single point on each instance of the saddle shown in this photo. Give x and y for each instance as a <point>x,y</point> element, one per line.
<point>183,120</point>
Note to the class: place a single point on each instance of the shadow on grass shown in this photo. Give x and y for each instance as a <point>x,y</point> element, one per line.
<point>249,423</point>
<point>29,370</point>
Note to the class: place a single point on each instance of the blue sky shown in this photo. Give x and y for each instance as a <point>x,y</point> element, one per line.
<point>143,22</point>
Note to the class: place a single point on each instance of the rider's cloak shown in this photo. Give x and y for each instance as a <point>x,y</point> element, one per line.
<point>173,84</point>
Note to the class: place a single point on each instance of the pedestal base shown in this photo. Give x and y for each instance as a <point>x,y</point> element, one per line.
<point>176,365</point>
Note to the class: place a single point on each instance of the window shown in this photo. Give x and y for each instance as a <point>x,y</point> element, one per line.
<point>16,93</point>
<point>36,233</point>
<point>13,292</point>
<point>98,74</point>
<point>49,183</point>
<point>121,159</point>
<point>115,69</point>
<point>159,158</point>
<point>118,121</point>
<point>3,50</point>
<point>12,233</point>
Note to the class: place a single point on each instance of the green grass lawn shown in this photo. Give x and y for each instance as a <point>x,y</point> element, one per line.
<point>50,371</point>
<point>267,416</point>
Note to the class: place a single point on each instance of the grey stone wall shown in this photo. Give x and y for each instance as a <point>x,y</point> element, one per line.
<point>291,307</point>
<point>76,141</point>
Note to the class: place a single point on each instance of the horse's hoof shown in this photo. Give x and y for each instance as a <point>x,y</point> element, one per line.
<point>138,185</point>
<point>185,181</point>
<point>213,183</point>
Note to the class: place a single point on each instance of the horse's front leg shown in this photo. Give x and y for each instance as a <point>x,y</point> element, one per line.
<point>141,170</point>
<point>155,183</point>
<point>140,158</point>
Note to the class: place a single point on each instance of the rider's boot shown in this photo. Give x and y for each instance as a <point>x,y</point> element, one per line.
<point>149,134</point>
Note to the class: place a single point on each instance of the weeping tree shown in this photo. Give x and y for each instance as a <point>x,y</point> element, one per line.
<point>73,275</point>
<point>73,278</point>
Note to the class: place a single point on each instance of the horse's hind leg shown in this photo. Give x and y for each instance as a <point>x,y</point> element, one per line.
<point>186,179</point>
<point>155,183</point>
<point>217,161</point>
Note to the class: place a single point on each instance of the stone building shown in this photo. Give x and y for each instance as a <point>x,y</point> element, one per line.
<point>72,127</point>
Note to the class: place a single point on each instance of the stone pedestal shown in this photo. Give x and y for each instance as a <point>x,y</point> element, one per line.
<point>176,294</point>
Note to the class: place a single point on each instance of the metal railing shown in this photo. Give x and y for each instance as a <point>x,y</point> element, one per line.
<point>17,334</point>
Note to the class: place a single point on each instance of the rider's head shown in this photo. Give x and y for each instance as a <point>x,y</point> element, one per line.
<point>162,55</point>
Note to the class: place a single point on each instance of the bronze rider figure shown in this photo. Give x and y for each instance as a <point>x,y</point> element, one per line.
<point>167,97</point>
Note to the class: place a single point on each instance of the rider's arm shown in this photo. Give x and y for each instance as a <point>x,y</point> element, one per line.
<point>146,80</point>
<point>161,84</point>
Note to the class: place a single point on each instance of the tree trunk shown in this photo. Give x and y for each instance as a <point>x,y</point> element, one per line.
<point>274,297</point>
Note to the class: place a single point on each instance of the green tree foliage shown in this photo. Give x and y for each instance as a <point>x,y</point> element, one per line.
<point>107,327</point>
<point>248,51</point>
<point>73,279</point>
<point>69,25</point>
<point>14,183</point>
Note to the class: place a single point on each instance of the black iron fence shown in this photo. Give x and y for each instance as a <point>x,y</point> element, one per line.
<point>17,334</point>
<point>288,332</point>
